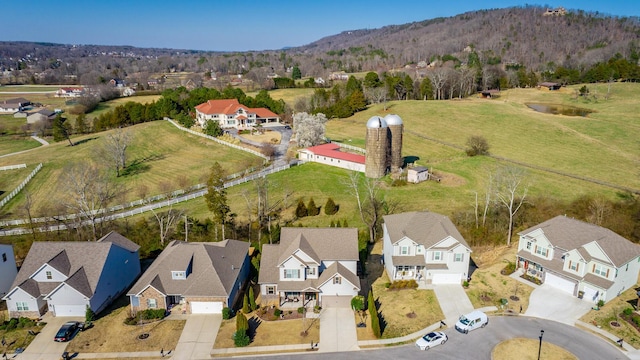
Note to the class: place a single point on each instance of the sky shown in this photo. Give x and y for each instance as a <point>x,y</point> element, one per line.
<point>232,25</point>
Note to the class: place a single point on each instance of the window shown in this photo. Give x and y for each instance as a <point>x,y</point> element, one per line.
<point>4,257</point>
<point>291,273</point>
<point>311,271</point>
<point>337,280</point>
<point>49,275</point>
<point>543,251</point>
<point>600,270</point>
<point>528,245</point>
<point>271,290</point>
<point>437,255</point>
<point>22,306</point>
<point>404,250</point>
<point>458,257</point>
<point>152,303</point>
<point>573,265</point>
<point>178,275</point>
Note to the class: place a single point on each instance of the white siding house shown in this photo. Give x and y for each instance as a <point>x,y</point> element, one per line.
<point>581,259</point>
<point>8,270</point>
<point>66,277</point>
<point>331,154</point>
<point>426,247</point>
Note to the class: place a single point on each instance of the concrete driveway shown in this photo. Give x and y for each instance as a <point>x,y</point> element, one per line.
<point>453,302</point>
<point>337,330</point>
<point>549,303</point>
<point>43,347</point>
<point>197,337</point>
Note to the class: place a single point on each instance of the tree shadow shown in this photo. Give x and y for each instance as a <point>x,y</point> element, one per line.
<point>75,143</point>
<point>254,324</point>
<point>382,321</point>
<point>411,159</point>
<point>139,166</point>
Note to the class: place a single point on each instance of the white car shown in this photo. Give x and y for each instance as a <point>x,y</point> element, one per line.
<point>431,339</point>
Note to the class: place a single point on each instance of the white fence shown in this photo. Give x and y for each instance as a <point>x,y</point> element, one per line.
<point>176,197</point>
<point>13,167</point>
<point>21,186</point>
<point>256,153</point>
<point>350,147</point>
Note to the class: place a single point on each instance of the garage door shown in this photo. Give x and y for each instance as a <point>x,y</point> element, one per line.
<point>69,310</point>
<point>560,283</point>
<point>446,278</point>
<point>336,301</point>
<point>206,307</point>
<point>590,294</point>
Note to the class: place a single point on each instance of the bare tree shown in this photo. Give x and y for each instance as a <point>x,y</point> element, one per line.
<point>511,192</point>
<point>89,191</point>
<point>27,208</point>
<point>438,77</point>
<point>599,208</point>
<point>168,217</point>
<point>114,149</point>
<point>370,206</point>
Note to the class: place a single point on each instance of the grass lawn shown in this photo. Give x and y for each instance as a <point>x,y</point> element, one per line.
<point>110,334</point>
<point>16,338</point>
<point>269,136</point>
<point>527,349</point>
<point>14,143</point>
<point>10,179</point>
<point>28,88</point>
<point>488,286</point>
<point>288,95</point>
<point>610,312</point>
<point>278,332</point>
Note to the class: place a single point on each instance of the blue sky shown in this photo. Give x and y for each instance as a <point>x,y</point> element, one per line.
<point>237,25</point>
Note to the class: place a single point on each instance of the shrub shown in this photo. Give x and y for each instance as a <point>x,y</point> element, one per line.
<point>465,283</point>
<point>509,269</point>
<point>312,209</point>
<point>252,299</point>
<point>398,182</point>
<point>375,321</point>
<point>387,285</point>
<point>242,324</point>
<point>89,315</point>
<point>357,303</point>
<point>301,310</point>
<point>245,304</point>
<point>150,314</point>
<point>277,312</point>
<point>226,313</point>
<point>316,309</point>
<point>301,209</point>
<point>627,311</point>
<point>600,303</point>
<point>240,338</point>
<point>403,284</point>
<point>477,145</point>
<point>330,207</point>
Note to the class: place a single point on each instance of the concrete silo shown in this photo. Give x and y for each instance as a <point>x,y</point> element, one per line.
<point>396,128</point>
<point>377,147</point>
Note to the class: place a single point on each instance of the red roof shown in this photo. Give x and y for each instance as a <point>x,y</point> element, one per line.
<point>230,107</point>
<point>333,151</point>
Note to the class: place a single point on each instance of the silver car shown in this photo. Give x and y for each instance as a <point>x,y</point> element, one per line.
<point>431,339</point>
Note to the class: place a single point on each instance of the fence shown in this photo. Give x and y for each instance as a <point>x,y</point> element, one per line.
<point>21,186</point>
<point>178,196</point>
<point>13,167</point>
<point>256,153</point>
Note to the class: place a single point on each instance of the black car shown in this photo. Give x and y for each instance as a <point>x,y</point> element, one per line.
<point>67,330</point>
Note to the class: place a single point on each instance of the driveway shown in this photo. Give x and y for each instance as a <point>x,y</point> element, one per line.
<point>453,302</point>
<point>547,302</point>
<point>198,336</point>
<point>43,347</point>
<point>337,330</point>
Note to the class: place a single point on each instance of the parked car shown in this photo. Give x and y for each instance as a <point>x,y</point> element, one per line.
<point>66,332</point>
<point>431,339</point>
<point>471,321</point>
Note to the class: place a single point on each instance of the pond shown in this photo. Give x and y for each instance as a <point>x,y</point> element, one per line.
<point>556,109</point>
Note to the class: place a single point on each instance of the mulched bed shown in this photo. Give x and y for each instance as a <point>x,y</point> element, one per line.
<point>268,314</point>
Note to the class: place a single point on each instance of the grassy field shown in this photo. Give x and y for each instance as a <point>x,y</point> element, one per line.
<point>11,144</point>
<point>158,153</point>
<point>279,332</point>
<point>28,88</point>
<point>288,95</point>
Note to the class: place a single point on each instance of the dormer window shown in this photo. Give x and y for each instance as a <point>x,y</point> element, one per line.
<point>178,275</point>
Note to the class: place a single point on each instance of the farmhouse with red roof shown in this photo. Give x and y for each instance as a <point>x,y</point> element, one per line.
<point>229,113</point>
<point>331,154</point>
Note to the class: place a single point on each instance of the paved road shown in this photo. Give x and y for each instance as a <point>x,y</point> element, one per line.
<point>478,344</point>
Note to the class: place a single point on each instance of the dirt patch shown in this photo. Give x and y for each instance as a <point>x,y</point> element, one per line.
<point>269,136</point>
<point>269,314</point>
<point>527,349</point>
<point>448,179</point>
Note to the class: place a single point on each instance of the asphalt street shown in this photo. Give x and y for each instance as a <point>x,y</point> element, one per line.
<point>478,344</point>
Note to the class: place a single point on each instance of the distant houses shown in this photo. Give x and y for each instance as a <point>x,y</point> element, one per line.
<point>11,106</point>
<point>70,92</point>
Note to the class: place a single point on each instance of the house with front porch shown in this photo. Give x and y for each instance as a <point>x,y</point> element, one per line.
<point>229,113</point>
<point>579,258</point>
<point>66,277</point>
<point>193,278</point>
<point>309,267</point>
<point>424,246</point>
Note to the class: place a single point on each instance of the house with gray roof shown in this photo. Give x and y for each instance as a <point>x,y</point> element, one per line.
<point>310,266</point>
<point>64,277</point>
<point>13,105</point>
<point>8,270</point>
<point>426,247</point>
<point>194,277</point>
<point>41,115</point>
<point>579,258</point>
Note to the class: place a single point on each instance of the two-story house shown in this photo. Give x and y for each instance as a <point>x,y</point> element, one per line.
<point>66,277</point>
<point>311,266</point>
<point>8,270</point>
<point>424,246</point>
<point>581,259</point>
<point>196,277</point>
<point>229,113</point>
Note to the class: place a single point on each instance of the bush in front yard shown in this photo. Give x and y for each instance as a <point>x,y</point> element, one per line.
<point>509,269</point>
<point>403,284</point>
<point>226,313</point>
<point>252,299</point>
<point>150,314</point>
<point>240,338</point>
<point>245,304</point>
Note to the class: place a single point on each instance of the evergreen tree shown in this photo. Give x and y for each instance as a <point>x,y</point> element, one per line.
<point>245,304</point>
<point>212,128</point>
<point>252,299</point>
<point>296,73</point>
<point>330,207</point>
<point>375,321</point>
<point>345,224</point>
<point>301,210</point>
<point>240,337</point>
<point>332,224</point>
<point>338,224</point>
<point>81,124</point>
<point>61,131</point>
<point>312,209</point>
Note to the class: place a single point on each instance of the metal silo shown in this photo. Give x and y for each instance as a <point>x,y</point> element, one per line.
<point>377,147</point>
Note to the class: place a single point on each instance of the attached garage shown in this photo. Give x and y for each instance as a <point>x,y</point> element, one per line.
<point>337,301</point>
<point>560,283</point>
<point>446,279</point>
<point>206,307</point>
<point>69,310</point>
<point>590,294</point>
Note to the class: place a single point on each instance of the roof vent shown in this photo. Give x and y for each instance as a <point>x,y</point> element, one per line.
<point>233,267</point>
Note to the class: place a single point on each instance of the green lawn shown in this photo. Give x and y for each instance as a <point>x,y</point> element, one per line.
<point>10,144</point>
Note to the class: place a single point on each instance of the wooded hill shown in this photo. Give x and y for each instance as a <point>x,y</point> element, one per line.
<point>516,37</point>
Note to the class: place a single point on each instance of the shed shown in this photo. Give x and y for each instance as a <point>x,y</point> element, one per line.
<point>549,85</point>
<point>417,174</point>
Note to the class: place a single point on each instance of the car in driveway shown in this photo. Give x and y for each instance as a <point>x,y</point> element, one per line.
<point>67,331</point>
<point>471,321</point>
<point>431,339</point>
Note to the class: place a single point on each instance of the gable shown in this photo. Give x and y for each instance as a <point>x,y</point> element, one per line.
<point>66,293</point>
<point>596,252</point>
<point>539,238</point>
<point>405,241</point>
<point>447,243</point>
<point>301,255</point>
<point>41,274</point>
<point>292,263</point>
